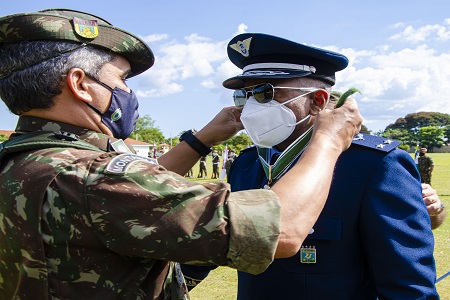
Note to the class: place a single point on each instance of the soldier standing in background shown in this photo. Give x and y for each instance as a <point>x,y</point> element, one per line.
<point>215,165</point>
<point>426,166</point>
<point>202,172</point>
<point>229,161</point>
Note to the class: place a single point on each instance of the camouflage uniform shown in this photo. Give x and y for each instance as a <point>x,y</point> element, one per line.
<point>228,165</point>
<point>78,224</point>
<point>425,163</point>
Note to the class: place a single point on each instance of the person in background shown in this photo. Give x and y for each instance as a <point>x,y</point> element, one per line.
<point>416,156</point>
<point>202,172</point>
<point>215,165</point>
<point>83,217</point>
<point>229,161</point>
<point>190,173</point>
<point>426,166</point>
<point>373,239</point>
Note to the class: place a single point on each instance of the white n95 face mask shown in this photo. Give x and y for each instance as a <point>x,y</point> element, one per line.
<point>269,124</point>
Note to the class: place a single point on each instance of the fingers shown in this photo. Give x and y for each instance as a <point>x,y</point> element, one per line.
<point>429,200</point>
<point>222,127</point>
<point>428,191</point>
<point>434,207</point>
<point>341,124</point>
<point>352,106</point>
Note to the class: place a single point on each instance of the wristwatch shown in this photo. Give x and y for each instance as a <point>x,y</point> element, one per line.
<point>189,137</point>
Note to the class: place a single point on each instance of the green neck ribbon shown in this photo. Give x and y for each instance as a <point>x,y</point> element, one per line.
<point>286,158</point>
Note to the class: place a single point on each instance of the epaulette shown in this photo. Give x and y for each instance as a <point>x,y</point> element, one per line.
<point>42,140</point>
<point>375,142</point>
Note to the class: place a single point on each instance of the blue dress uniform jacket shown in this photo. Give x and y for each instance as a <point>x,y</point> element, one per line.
<point>372,239</point>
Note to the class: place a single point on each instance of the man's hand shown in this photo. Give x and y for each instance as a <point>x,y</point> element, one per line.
<point>435,208</point>
<point>224,126</point>
<point>431,199</point>
<point>339,125</point>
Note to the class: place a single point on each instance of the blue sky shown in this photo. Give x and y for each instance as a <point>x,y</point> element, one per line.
<point>399,51</point>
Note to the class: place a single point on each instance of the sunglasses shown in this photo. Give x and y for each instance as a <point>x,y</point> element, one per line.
<point>263,93</point>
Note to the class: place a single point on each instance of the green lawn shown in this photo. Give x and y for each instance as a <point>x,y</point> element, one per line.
<point>221,283</point>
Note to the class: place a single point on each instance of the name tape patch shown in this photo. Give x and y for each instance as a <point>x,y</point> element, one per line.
<point>121,163</point>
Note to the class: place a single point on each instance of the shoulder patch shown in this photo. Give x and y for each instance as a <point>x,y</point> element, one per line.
<point>121,163</point>
<point>375,142</point>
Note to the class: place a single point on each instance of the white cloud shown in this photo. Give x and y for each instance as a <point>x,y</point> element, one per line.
<point>175,62</point>
<point>394,81</point>
<point>242,28</point>
<point>154,38</point>
<point>424,33</point>
<point>397,83</point>
<point>209,84</point>
<point>397,25</point>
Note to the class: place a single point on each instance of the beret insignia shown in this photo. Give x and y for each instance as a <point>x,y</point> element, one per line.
<point>85,28</point>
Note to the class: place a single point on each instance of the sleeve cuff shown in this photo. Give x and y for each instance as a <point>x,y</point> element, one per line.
<point>255,218</point>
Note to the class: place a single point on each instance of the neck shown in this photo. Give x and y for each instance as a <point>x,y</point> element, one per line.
<point>79,114</point>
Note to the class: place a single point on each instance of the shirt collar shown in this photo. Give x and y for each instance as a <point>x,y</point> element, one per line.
<point>27,124</point>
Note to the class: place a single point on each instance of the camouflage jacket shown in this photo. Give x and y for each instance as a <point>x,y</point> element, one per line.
<point>82,224</point>
<point>425,163</point>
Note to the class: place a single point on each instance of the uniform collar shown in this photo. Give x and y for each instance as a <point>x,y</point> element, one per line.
<point>27,124</point>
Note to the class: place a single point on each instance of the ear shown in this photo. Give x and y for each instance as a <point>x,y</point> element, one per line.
<point>319,101</point>
<point>76,81</point>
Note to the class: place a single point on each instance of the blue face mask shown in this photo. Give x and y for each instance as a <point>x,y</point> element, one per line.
<point>122,114</point>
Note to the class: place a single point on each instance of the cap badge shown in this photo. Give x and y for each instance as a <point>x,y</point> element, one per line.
<point>242,47</point>
<point>86,28</point>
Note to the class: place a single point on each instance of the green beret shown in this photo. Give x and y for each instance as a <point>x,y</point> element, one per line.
<point>75,26</point>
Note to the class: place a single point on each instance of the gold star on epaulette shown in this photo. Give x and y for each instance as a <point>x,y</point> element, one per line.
<point>381,146</point>
<point>388,141</point>
<point>242,47</point>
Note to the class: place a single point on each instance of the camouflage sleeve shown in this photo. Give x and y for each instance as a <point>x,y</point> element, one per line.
<point>255,228</point>
<point>145,211</point>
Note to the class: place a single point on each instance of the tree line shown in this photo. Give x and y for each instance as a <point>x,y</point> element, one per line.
<point>426,129</point>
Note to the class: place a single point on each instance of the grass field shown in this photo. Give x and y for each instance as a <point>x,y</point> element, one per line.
<point>222,282</point>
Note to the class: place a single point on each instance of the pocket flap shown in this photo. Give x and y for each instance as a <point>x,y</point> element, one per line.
<point>327,228</point>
